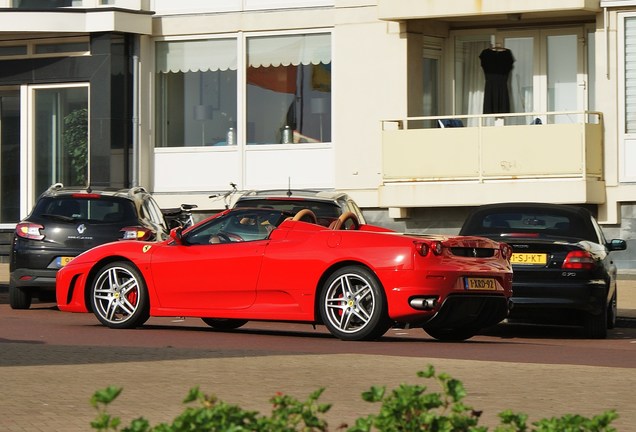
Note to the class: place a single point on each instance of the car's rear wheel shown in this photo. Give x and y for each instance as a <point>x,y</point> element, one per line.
<point>451,335</point>
<point>224,324</point>
<point>119,296</point>
<point>353,306</point>
<point>19,298</point>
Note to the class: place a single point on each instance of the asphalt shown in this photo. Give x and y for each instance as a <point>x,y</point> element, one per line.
<point>47,387</point>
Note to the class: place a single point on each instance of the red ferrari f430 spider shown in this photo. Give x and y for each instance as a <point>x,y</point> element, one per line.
<point>259,264</point>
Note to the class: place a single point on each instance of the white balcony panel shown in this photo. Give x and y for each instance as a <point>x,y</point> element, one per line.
<point>195,169</point>
<point>297,165</point>
<point>557,150</point>
<point>430,154</point>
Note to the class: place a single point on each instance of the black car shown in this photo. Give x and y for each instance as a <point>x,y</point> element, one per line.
<point>562,270</point>
<point>65,222</point>
<point>326,205</point>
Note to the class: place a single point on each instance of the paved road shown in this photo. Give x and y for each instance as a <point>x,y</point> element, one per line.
<point>52,362</point>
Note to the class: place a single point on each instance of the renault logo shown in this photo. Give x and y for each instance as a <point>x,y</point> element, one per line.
<point>81,228</point>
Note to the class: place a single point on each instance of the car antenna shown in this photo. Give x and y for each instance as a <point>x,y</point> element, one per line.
<point>289,192</point>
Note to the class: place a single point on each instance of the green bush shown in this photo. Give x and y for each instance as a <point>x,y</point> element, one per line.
<point>407,408</point>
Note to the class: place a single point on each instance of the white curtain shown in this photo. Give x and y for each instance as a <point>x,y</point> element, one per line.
<point>474,81</point>
<point>196,55</point>
<point>289,50</point>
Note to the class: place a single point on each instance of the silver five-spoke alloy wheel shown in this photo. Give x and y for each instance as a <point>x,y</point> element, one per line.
<point>119,296</point>
<point>353,305</point>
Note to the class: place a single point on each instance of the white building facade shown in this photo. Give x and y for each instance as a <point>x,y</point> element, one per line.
<point>185,97</point>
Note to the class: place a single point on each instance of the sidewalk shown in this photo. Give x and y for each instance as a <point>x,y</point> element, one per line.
<point>626,291</point>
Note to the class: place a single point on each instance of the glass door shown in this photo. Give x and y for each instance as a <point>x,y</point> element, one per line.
<point>59,137</point>
<point>548,74</point>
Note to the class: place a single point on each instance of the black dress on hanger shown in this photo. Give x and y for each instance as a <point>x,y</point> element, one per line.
<point>497,64</point>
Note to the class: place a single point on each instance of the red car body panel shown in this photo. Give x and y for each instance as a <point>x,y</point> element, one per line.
<point>278,278</point>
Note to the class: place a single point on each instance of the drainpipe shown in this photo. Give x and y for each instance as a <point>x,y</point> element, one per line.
<point>135,111</point>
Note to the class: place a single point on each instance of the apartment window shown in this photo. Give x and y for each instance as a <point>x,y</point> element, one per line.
<point>289,89</point>
<point>196,92</point>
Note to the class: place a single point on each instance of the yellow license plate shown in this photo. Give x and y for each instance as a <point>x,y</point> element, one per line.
<point>471,283</point>
<point>529,258</point>
<point>65,260</point>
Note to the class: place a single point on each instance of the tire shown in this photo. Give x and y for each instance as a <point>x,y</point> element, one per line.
<point>353,306</point>
<point>19,298</point>
<point>119,296</point>
<point>595,326</point>
<point>612,312</point>
<point>223,323</point>
<point>451,335</point>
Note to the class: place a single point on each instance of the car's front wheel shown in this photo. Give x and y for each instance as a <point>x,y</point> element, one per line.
<point>224,324</point>
<point>19,298</point>
<point>353,306</point>
<point>119,296</point>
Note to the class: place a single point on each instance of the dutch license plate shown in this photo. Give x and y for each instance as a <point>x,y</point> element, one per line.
<point>471,283</point>
<point>529,258</point>
<point>62,261</point>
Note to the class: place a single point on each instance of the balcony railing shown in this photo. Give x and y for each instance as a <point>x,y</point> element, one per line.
<point>490,147</point>
<point>534,155</point>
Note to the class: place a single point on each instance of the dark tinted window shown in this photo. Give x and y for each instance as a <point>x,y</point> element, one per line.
<point>542,222</point>
<point>103,209</point>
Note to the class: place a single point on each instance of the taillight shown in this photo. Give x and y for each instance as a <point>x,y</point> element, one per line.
<point>423,248</point>
<point>136,233</point>
<point>29,231</point>
<point>579,260</point>
<point>506,251</point>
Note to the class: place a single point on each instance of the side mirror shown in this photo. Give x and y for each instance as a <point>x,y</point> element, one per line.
<point>175,234</point>
<point>617,245</point>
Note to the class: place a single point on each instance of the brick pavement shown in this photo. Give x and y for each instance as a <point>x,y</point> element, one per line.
<point>51,392</point>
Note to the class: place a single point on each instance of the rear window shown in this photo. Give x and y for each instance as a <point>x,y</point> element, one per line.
<point>96,210</point>
<point>323,210</point>
<point>529,221</point>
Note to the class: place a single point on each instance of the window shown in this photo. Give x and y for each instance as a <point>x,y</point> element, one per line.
<point>289,89</point>
<point>196,92</point>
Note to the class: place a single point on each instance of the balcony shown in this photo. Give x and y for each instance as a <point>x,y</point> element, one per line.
<point>494,158</point>
<point>76,16</point>
<point>478,10</point>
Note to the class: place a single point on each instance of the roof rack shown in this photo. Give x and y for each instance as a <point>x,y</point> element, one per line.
<point>56,186</point>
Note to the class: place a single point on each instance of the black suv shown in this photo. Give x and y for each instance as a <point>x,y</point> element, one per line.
<point>68,221</point>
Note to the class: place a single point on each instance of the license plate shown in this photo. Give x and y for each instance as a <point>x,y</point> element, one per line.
<point>471,283</point>
<point>62,261</point>
<point>529,258</point>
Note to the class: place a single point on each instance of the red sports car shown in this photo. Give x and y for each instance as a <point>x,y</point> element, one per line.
<point>268,265</point>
